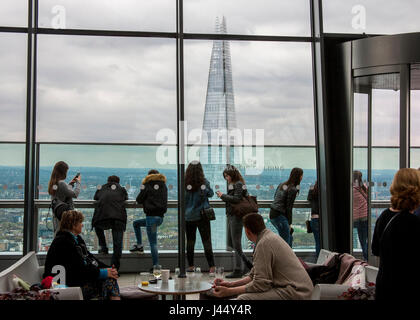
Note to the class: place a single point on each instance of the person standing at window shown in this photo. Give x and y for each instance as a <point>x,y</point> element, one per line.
<point>360,211</point>
<point>61,193</point>
<point>154,198</point>
<point>110,213</point>
<point>313,199</point>
<point>198,191</point>
<point>396,240</point>
<point>236,191</point>
<point>281,210</point>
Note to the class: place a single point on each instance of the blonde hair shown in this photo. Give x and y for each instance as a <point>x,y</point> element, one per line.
<point>405,189</point>
<point>70,219</point>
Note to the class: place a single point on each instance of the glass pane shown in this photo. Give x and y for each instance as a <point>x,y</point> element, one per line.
<point>385,163</point>
<point>360,166</point>
<point>13,13</point>
<point>12,171</point>
<point>12,86</point>
<point>272,92</point>
<point>135,15</point>
<point>97,162</point>
<point>415,116</point>
<point>167,231</point>
<point>371,16</point>
<point>268,17</point>
<point>101,89</point>
<point>11,230</point>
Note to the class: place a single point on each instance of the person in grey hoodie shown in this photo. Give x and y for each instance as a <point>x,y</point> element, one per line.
<point>61,193</point>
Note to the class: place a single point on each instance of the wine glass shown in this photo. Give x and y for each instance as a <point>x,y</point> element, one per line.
<point>157,272</point>
<point>219,273</point>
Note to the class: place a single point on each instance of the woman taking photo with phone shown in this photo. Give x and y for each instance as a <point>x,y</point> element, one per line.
<point>236,191</point>
<point>61,193</point>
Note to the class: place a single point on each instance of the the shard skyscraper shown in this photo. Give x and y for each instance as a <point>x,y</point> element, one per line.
<point>219,113</point>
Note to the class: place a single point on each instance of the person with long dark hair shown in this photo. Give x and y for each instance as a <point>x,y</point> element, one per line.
<point>61,193</point>
<point>236,191</point>
<point>313,199</point>
<point>198,191</point>
<point>360,211</point>
<point>281,210</point>
<point>396,240</point>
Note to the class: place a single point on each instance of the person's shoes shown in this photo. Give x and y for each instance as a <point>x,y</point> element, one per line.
<point>137,249</point>
<point>234,274</point>
<point>103,251</point>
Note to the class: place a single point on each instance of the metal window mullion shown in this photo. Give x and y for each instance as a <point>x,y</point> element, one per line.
<point>405,116</point>
<point>369,171</point>
<point>180,137</point>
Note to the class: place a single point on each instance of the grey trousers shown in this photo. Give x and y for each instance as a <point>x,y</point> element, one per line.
<point>234,238</point>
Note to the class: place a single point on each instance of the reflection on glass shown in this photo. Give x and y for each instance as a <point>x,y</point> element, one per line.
<point>11,230</point>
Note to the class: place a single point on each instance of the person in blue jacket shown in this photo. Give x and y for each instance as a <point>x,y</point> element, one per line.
<point>198,191</point>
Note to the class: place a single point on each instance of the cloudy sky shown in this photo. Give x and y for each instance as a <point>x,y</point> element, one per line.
<point>103,89</point>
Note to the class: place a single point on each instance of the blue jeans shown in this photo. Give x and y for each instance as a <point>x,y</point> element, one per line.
<point>362,232</point>
<point>151,223</point>
<point>282,225</point>
<point>315,231</point>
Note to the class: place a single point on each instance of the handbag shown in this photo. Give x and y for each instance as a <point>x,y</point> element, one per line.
<point>308,226</point>
<point>247,205</point>
<point>207,213</point>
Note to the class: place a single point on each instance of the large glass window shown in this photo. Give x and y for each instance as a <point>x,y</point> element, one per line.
<point>101,89</point>
<point>415,117</point>
<point>13,13</point>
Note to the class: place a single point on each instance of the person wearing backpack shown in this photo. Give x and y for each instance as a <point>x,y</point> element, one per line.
<point>198,191</point>
<point>62,194</point>
<point>281,210</point>
<point>154,198</point>
<point>110,213</point>
<point>236,191</point>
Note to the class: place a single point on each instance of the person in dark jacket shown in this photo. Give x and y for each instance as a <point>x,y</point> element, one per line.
<point>61,193</point>
<point>154,198</point>
<point>198,191</point>
<point>110,213</point>
<point>313,199</point>
<point>82,269</point>
<point>236,191</point>
<point>396,240</point>
<point>281,210</point>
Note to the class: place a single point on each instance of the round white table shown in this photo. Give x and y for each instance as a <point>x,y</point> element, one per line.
<point>178,287</point>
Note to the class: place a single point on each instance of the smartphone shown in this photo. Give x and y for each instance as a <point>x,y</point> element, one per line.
<point>77,175</point>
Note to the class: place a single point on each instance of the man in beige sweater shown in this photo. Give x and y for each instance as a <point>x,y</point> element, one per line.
<point>277,273</point>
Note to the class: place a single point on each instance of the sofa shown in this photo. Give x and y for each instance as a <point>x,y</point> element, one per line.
<point>28,269</point>
<point>333,291</point>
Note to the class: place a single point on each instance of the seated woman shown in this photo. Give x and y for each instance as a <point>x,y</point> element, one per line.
<point>82,269</point>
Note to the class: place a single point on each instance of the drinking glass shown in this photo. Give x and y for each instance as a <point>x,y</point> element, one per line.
<point>219,273</point>
<point>177,272</point>
<point>157,272</point>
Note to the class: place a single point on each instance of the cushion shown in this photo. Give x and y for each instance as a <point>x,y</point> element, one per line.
<point>357,277</point>
<point>133,292</point>
<point>326,273</point>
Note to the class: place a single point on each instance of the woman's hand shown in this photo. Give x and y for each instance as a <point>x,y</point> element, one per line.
<point>221,292</point>
<point>219,194</point>
<point>112,273</point>
<point>221,282</point>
